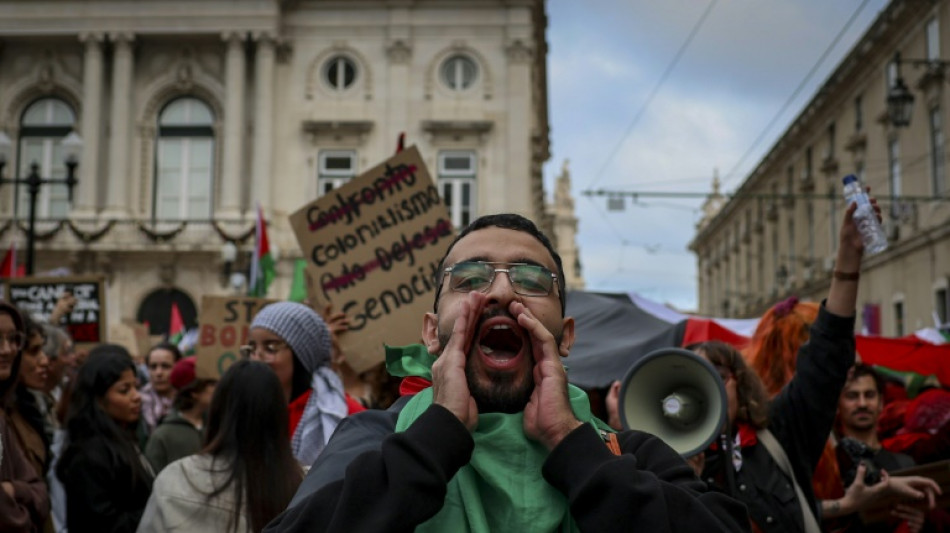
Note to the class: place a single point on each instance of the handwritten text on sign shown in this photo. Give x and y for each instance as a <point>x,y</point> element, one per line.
<point>373,246</point>
<point>86,322</point>
<point>223,326</point>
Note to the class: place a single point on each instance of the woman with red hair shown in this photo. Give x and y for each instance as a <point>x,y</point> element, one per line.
<point>774,346</point>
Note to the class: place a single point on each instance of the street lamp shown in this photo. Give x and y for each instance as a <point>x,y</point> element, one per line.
<point>72,146</point>
<point>900,101</point>
<point>229,254</point>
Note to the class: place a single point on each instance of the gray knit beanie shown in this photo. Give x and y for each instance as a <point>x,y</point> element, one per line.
<point>301,328</point>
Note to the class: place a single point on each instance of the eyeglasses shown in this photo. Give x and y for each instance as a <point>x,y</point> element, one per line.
<point>16,339</point>
<point>526,280</point>
<point>270,349</point>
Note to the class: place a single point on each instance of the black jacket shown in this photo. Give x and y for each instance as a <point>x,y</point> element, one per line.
<point>371,479</point>
<point>101,493</point>
<point>801,417</point>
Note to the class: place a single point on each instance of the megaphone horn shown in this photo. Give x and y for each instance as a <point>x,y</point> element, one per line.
<point>676,395</point>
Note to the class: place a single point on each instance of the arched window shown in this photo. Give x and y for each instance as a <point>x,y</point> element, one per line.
<point>43,126</point>
<point>156,310</point>
<point>458,72</point>
<point>184,161</point>
<point>339,72</point>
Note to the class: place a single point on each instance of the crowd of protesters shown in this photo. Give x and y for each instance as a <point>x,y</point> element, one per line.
<point>290,438</point>
<point>104,442</point>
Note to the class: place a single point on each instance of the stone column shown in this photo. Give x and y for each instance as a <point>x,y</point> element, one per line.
<point>232,157</point>
<point>263,121</point>
<point>86,197</point>
<point>399,54</point>
<point>117,201</point>
<point>518,129</point>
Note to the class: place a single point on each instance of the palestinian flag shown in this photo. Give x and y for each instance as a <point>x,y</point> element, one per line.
<point>10,268</point>
<point>262,267</point>
<point>176,326</point>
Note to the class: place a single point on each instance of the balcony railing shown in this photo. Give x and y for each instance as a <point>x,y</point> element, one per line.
<point>132,234</point>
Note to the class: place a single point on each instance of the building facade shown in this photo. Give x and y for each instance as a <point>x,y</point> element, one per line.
<point>777,234</point>
<point>193,113</point>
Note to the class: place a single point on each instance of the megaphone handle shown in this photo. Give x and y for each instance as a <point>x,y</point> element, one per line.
<point>729,472</point>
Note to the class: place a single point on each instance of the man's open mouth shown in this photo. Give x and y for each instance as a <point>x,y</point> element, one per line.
<point>501,343</point>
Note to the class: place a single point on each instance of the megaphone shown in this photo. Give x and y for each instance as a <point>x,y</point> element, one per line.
<point>676,395</point>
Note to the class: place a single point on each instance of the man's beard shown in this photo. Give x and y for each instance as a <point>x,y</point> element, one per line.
<point>502,394</point>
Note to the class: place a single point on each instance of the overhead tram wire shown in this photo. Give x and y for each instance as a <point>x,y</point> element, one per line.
<point>666,73</point>
<point>801,86</point>
<point>637,195</point>
<point>603,215</point>
<point>655,90</point>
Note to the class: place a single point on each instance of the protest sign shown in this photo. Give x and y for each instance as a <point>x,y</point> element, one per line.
<point>86,323</point>
<point>133,336</point>
<point>373,248</point>
<point>223,325</point>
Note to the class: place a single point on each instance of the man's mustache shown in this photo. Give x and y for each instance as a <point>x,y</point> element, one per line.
<point>494,312</point>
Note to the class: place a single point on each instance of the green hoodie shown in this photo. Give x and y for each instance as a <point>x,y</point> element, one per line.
<point>501,489</point>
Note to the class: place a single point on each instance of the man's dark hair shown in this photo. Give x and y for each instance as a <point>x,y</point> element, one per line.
<point>510,221</point>
<point>861,369</point>
<point>165,345</point>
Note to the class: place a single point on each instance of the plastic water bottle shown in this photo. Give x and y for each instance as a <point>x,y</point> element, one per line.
<point>864,216</point>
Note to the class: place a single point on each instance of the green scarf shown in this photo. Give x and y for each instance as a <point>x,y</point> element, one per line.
<point>501,488</point>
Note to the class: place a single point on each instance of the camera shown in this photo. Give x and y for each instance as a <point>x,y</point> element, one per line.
<point>852,453</point>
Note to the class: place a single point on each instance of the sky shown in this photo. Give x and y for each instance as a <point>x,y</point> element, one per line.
<point>657,95</point>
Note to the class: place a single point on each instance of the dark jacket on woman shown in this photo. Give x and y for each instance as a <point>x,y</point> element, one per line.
<point>29,507</point>
<point>26,419</point>
<point>102,491</point>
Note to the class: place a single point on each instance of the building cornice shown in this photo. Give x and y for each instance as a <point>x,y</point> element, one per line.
<point>457,129</point>
<point>338,129</point>
<point>48,18</point>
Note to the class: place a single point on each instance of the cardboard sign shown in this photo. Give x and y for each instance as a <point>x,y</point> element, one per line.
<point>373,248</point>
<point>133,336</point>
<point>223,325</point>
<point>86,323</point>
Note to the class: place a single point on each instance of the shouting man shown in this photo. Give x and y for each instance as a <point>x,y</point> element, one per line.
<point>500,441</point>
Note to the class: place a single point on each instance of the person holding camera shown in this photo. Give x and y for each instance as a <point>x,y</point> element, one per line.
<point>865,464</point>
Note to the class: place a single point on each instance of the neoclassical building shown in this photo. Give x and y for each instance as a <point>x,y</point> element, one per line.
<point>192,113</point>
<point>776,236</point>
